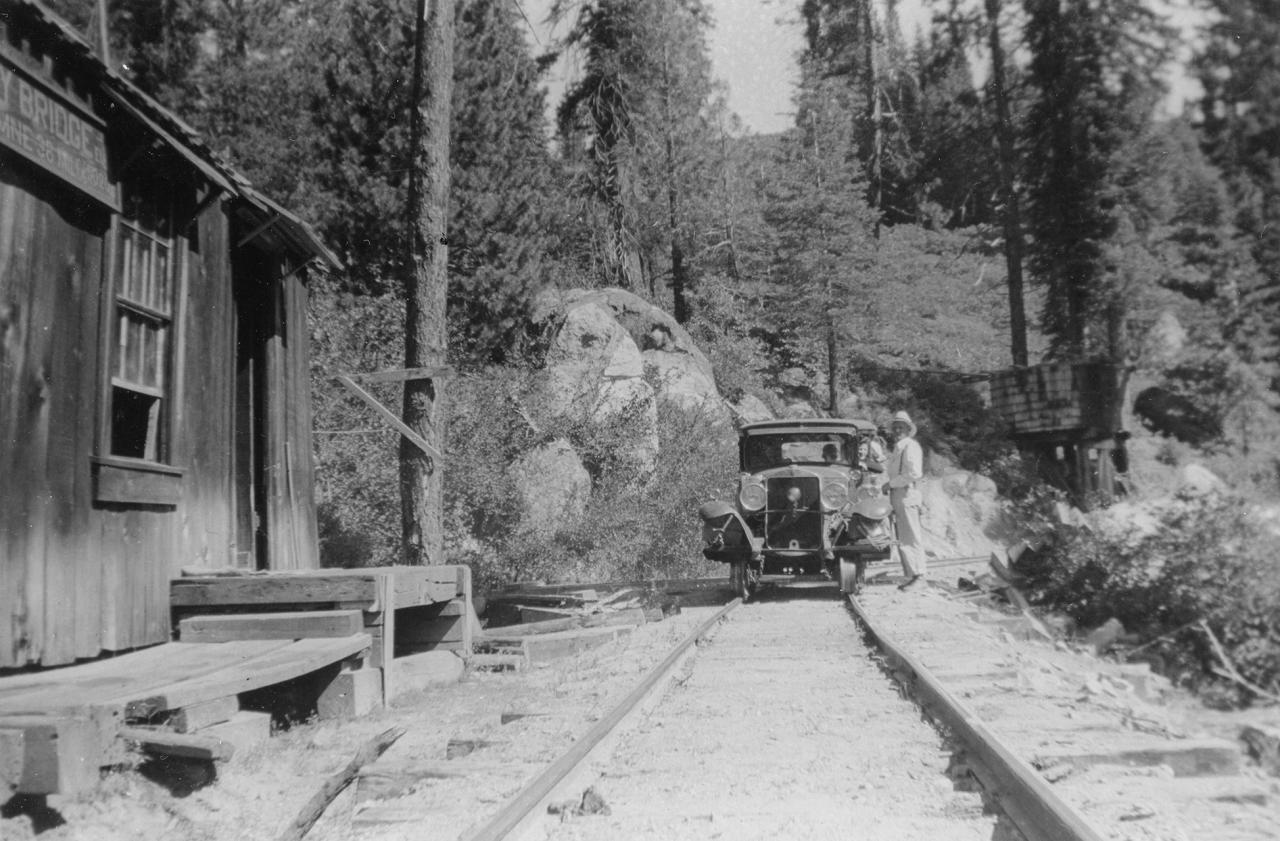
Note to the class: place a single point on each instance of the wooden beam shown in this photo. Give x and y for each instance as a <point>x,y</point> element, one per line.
<point>58,755</point>
<point>284,663</point>
<point>405,374</point>
<point>390,417</point>
<point>315,807</point>
<point>204,714</point>
<point>1186,757</point>
<point>291,625</point>
<point>162,742</point>
<point>275,589</point>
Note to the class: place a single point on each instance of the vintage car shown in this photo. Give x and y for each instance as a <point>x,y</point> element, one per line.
<point>809,501</point>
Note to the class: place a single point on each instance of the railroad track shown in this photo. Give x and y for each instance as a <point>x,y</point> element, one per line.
<point>784,724</point>
<point>787,719</point>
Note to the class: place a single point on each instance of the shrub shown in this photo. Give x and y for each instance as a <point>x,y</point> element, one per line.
<point>1209,560</point>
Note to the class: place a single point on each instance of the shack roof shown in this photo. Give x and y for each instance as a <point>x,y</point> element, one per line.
<point>267,219</point>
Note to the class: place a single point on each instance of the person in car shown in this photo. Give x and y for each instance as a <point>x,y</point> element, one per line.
<point>830,453</point>
<point>906,469</point>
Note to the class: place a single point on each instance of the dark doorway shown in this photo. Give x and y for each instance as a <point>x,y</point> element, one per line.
<point>254,322</point>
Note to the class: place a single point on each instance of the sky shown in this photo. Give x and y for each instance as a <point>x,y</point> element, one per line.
<point>754,46</point>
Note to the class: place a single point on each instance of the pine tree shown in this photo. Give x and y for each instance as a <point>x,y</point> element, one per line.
<point>1095,84</point>
<point>499,228</point>
<point>822,230</point>
<point>1239,70</point>
<point>645,114</point>
<point>597,130</point>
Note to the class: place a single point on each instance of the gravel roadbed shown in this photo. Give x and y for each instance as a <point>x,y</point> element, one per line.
<point>1133,755</point>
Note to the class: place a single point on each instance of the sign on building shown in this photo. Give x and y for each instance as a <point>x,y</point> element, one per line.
<point>40,126</point>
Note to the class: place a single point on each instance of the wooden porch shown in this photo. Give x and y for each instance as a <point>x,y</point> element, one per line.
<point>348,641</point>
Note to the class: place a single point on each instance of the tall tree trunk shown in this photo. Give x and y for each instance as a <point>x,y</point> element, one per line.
<point>421,489</point>
<point>1011,214</point>
<point>833,360</point>
<point>875,113</point>
<point>679,272</point>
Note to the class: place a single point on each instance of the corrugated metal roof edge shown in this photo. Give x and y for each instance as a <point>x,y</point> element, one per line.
<point>173,129</point>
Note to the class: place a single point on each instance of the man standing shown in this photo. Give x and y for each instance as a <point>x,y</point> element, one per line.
<point>906,469</point>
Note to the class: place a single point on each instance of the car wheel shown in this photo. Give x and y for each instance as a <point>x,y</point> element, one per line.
<point>851,575</point>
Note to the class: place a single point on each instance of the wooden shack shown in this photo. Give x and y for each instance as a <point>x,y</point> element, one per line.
<point>154,394</point>
<point>1067,418</point>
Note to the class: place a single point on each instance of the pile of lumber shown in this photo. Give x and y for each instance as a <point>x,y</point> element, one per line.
<point>533,624</point>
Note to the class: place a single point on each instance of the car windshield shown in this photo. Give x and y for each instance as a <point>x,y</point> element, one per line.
<point>764,451</point>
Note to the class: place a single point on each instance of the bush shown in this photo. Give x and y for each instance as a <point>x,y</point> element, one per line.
<point>1209,560</point>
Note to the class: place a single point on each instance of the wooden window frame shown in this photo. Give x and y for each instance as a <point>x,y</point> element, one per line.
<point>149,477</point>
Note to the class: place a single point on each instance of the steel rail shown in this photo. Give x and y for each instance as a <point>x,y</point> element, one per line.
<point>1014,786</point>
<point>540,787</point>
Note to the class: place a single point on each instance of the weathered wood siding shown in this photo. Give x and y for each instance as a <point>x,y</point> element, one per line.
<point>290,487</point>
<point>50,270</point>
<point>204,436</point>
<point>88,541</point>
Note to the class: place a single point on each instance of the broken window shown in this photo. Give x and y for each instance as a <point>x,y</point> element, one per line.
<point>143,286</point>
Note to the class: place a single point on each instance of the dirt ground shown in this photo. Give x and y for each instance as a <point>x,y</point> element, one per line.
<point>258,792</point>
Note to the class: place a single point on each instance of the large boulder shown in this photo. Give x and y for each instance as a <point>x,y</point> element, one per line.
<point>593,372</point>
<point>553,487</point>
<point>681,372</point>
<point>589,351</point>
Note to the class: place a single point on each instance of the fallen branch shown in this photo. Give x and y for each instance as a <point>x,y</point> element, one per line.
<point>1229,671</point>
<point>333,786</point>
<point>1163,636</point>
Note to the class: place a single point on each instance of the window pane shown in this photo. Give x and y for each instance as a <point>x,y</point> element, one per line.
<point>133,365</point>
<point>125,268</point>
<point>161,335</point>
<point>144,271</point>
<point>162,280</point>
<point>122,345</point>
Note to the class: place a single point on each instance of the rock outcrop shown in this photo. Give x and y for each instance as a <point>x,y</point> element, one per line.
<point>594,373</point>
<point>963,515</point>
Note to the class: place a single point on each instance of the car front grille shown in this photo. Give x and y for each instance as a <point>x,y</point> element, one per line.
<point>791,525</point>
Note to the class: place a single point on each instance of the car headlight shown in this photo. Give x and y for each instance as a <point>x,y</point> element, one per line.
<point>834,494</point>
<point>751,495</point>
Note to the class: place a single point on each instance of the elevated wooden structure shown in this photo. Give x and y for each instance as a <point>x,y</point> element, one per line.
<point>349,633</point>
<point>1068,417</point>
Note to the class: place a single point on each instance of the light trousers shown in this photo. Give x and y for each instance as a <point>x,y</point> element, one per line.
<point>906,512</point>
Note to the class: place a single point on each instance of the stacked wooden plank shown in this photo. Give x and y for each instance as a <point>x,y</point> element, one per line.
<point>405,610</point>
<point>331,635</point>
<point>66,724</point>
<point>559,621</point>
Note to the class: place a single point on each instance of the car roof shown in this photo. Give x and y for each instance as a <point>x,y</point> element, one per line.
<point>807,425</point>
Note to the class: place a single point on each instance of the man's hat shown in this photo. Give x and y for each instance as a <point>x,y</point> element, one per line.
<point>903,417</point>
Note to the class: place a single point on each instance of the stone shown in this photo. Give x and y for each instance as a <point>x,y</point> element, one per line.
<point>1164,341</point>
<point>1198,481</point>
<point>684,383</point>
<point>1105,635</point>
<point>751,409</point>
